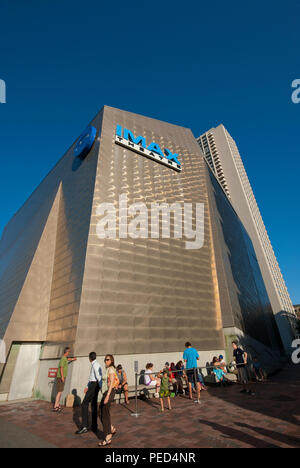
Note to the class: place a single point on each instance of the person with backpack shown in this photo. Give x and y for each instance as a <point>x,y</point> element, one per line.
<point>91,396</point>
<point>108,397</point>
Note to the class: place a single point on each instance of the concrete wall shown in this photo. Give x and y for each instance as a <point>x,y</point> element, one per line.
<point>79,371</point>
<point>25,372</point>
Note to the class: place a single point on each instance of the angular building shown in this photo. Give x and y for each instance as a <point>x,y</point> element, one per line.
<point>223,158</point>
<point>142,289</point>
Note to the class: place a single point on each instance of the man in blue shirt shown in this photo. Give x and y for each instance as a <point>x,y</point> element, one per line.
<point>190,357</point>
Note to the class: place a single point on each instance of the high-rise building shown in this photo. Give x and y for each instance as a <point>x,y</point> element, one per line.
<point>224,160</point>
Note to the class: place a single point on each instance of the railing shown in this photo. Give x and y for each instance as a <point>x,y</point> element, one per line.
<point>181,371</point>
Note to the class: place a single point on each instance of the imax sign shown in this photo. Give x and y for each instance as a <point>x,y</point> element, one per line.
<point>126,138</point>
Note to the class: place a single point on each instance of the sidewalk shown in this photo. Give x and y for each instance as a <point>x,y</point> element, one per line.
<point>226,418</point>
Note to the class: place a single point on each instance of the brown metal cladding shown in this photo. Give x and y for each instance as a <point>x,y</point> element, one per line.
<point>119,296</point>
<point>148,295</point>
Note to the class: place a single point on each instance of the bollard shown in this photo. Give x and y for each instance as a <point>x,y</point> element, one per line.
<point>196,382</point>
<point>136,414</point>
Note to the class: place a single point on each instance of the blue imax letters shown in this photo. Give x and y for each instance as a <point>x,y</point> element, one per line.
<point>126,138</point>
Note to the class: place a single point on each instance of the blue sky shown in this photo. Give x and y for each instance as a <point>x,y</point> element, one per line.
<point>196,64</point>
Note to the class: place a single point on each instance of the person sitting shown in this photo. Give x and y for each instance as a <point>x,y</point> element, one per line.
<point>123,383</point>
<point>150,380</point>
<point>172,377</point>
<point>219,373</point>
<point>222,363</point>
<point>201,380</point>
<point>179,377</point>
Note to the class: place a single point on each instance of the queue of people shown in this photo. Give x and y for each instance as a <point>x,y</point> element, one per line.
<point>168,382</point>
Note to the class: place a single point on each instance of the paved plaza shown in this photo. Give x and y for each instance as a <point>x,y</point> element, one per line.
<point>226,418</point>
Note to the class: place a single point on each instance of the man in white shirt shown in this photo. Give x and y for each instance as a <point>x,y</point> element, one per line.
<point>91,396</point>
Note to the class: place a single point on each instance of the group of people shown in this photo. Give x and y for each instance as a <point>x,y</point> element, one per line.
<point>110,382</point>
<point>240,367</point>
<point>175,375</point>
<point>170,381</point>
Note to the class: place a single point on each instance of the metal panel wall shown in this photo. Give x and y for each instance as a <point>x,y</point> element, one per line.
<point>148,295</point>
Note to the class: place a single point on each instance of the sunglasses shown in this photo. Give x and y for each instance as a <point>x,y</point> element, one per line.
<point>107,359</point>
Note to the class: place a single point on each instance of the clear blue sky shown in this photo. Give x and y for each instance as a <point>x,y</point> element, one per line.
<point>192,63</point>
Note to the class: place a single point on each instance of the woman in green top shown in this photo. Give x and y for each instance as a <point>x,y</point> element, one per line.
<point>164,389</point>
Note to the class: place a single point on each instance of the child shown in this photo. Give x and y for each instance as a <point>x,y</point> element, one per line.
<point>219,373</point>
<point>164,389</point>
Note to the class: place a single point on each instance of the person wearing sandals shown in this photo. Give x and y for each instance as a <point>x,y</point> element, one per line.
<point>107,399</point>
<point>164,391</point>
<point>61,377</point>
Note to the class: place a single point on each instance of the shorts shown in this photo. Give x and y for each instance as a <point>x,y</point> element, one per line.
<point>163,394</point>
<point>191,377</point>
<point>60,385</point>
<point>243,375</point>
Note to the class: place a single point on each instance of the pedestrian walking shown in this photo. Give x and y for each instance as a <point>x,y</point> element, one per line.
<point>91,396</point>
<point>107,399</point>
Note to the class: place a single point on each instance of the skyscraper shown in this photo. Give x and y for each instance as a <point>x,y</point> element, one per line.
<point>224,159</point>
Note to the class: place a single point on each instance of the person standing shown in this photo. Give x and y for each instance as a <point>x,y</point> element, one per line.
<point>61,377</point>
<point>107,399</point>
<point>190,357</point>
<point>241,359</point>
<point>164,391</point>
<point>91,396</point>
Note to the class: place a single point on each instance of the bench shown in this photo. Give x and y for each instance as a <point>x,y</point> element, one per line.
<point>148,392</point>
<point>142,390</point>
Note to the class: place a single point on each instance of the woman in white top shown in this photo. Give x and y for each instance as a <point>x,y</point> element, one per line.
<point>150,380</point>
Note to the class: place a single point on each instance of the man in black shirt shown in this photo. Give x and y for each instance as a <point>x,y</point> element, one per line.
<point>241,358</point>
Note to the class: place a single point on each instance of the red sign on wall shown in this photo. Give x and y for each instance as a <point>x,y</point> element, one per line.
<point>52,373</point>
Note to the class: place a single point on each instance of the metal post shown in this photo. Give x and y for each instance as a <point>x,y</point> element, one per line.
<point>196,382</point>
<point>136,414</point>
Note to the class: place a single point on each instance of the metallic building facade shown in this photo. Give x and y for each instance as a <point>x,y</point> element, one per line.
<point>62,285</point>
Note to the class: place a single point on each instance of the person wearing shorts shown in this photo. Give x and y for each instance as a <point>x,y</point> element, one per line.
<point>61,377</point>
<point>164,391</point>
<point>191,356</point>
